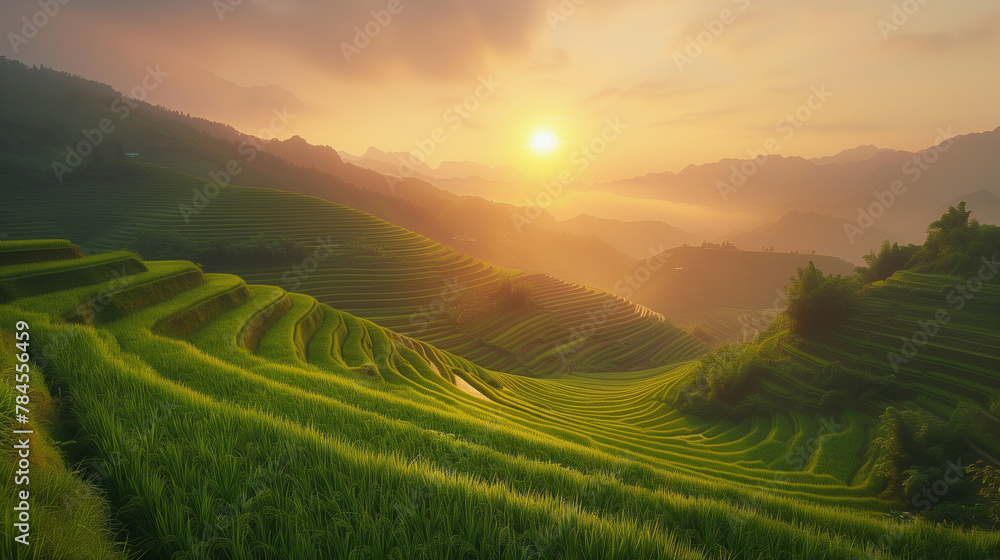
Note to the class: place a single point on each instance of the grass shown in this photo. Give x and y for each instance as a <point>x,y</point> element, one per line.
<point>212,442</point>
<point>68,517</point>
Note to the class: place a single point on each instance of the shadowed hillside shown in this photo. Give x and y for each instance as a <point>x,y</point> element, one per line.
<point>44,110</point>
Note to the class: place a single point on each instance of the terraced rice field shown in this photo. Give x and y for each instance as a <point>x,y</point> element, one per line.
<point>226,419</point>
<point>370,268</point>
<point>959,362</point>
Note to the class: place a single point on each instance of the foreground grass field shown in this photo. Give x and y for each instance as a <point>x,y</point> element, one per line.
<point>226,420</point>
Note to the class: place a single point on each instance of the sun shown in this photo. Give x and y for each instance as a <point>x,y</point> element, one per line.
<point>544,142</point>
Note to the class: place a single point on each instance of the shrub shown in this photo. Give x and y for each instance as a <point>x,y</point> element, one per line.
<point>989,477</point>
<point>913,447</point>
<point>513,295</point>
<point>956,245</point>
<point>218,253</point>
<point>522,295</point>
<point>856,382</point>
<point>724,376</point>
<point>817,302</point>
<point>889,259</point>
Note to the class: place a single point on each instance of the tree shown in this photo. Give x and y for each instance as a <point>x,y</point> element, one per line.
<point>957,245</point>
<point>989,477</point>
<point>886,262</point>
<point>817,302</point>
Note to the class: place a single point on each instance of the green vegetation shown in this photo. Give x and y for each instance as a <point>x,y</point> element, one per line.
<point>907,349</point>
<point>720,384</point>
<point>219,254</point>
<point>68,518</point>
<point>206,447</point>
<point>989,477</point>
<point>360,264</point>
<point>889,259</point>
<point>957,246</point>
<point>910,446</point>
<point>360,391</point>
<point>817,302</point>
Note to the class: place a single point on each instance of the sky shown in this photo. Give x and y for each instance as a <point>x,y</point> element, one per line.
<point>628,87</point>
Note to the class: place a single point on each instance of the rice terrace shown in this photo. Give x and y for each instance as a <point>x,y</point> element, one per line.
<point>450,280</point>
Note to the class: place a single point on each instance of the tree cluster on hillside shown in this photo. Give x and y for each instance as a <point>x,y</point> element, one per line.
<point>957,245</point>
<point>722,382</point>
<point>817,301</point>
<point>918,461</point>
<point>728,245</point>
<point>843,386</point>
<point>989,491</point>
<point>514,295</point>
<point>891,258</point>
<point>261,250</point>
<point>507,295</point>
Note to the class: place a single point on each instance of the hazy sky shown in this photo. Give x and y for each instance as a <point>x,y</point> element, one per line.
<point>685,86</point>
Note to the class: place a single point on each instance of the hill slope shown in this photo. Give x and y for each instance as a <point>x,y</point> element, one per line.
<point>44,112</point>
<point>356,262</point>
<point>222,418</point>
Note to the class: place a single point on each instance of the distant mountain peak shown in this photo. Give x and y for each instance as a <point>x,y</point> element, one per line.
<point>851,155</point>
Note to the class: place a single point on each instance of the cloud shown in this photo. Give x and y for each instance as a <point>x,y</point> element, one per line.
<point>700,118</point>
<point>550,59</point>
<point>440,39</point>
<point>653,90</point>
<point>942,41</point>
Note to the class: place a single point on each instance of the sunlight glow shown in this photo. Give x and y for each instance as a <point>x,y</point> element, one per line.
<point>543,142</point>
